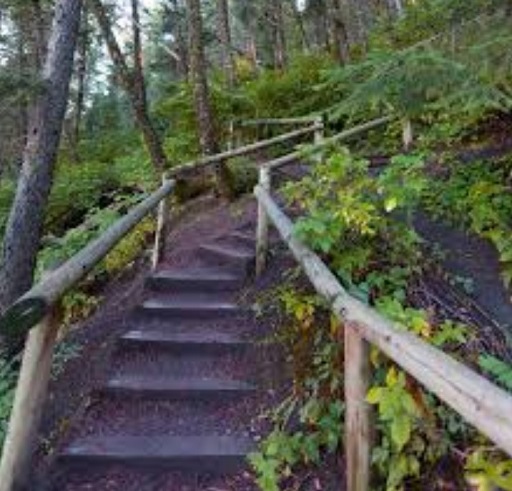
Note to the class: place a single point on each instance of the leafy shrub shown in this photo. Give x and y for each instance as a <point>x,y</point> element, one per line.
<point>291,93</point>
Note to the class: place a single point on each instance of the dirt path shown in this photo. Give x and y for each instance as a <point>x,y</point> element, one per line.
<point>183,379</point>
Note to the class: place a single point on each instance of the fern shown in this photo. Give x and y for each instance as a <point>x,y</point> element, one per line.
<point>499,370</point>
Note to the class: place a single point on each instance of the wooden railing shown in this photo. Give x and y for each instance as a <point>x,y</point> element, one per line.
<point>37,311</point>
<point>481,403</point>
<point>315,128</point>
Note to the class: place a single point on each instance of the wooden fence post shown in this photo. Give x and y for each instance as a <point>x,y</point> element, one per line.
<point>29,400</point>
<point>407,134</point>
<point>231,135</point>
<point>320,132</point>
<point>263,224</point>
<point>358,424</point>
<point>161,230</point>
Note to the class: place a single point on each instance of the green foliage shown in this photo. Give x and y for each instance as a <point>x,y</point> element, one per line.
<point>291,93</point>
<point>349,220</point>
<point>429,18</point>
<point>314,353</point>
<point>487,470</point>
<point>79,304</point>
<point>281,451</point>
<point>498,369</point>
<point>398,414</point>
<point>411,83</point>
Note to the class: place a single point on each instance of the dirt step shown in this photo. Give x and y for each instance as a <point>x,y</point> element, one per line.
<point>175,388</point>
<point>244,239</point>
<point>155,361</point>
<point>205,341</point>
<point>212,454</point>
<point>210,280</point>
<point>239,259</point>
<point>193,307</point>
<point>117,416</point>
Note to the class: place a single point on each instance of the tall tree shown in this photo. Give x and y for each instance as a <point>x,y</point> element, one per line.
<point>339,38</point>
<point>25,225</point>
<point>204,112</point>
<point>81,66</point>
<point>132,80</point>
<point>199,78</point>
<point>176,16</point>
<point>279,34</point>
<point>224,35</point>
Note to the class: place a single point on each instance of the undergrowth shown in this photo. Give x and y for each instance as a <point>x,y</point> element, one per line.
<point>361,226</point>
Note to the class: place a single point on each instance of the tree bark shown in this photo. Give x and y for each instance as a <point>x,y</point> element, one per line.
<point>180,34</point>
<point>340,47</point>
<point>198,72</point>
<point>204,113</point>
<point>299,19</point>
<point>81,76</point>
<point>224,34</point>
<point>276,18</point>
<point>25,225</point>
<point>132,81</point>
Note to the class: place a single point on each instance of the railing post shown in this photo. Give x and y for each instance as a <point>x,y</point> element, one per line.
<point>407,134</point>
<point>263,224</point>
<point>161,229</point>
<point>231,135</point>
<point>29,399</point>
<point>320,132</point>
<point>358,421</point>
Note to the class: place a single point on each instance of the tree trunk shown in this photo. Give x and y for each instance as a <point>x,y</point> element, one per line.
<point>224,34</point>
<point>132,82</point>
<point>396,7</point>
<point>181,38</point>
<point>276,17</point>
<point>338,31</point>
<point>81,74</point>
<point>198,72</point>
<point>204,113</point>
<point>25,225</point>
<point>297,14</point>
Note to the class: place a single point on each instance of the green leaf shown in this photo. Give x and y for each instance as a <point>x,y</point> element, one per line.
<point>401,431</point>
<point>390,204</point>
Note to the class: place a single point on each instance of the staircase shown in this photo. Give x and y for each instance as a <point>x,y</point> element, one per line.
<point>183,387</point>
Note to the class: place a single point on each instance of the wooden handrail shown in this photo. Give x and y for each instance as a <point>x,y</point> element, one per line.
<point>344,135</point>
<point>38,313</point>
<point>33,306</point>
<point>245,150</point>
<point>277,122</point>
<point>481,403</point>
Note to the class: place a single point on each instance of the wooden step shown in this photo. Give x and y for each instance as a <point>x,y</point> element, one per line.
<point>205,341</point>
<point>199,280</point>
<point>240,259</point>
<point>209,454</point>
<point>175,388</point>
<point>247,240</point>
<point>194,307</point>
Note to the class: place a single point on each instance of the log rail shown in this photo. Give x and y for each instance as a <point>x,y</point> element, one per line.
<point>481,403</point>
